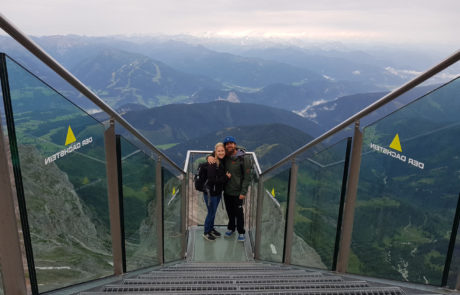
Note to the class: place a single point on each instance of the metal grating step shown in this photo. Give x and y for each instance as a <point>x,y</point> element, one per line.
<point>168,289</point>
<point>225,268</point>
<point>217,264</point>
<point>234,287</point>
<point>339,285</point>
<point>232,274</point>
<point>204,281</point>
<point>362,291</point>
<point>221,275</point>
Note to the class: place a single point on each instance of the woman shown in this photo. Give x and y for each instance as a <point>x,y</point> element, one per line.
<point>213,193</point>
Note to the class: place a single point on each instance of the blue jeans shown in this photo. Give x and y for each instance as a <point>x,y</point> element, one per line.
<point>212,209</point>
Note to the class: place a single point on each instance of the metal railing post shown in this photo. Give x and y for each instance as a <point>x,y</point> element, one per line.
<point>183,213</point>
<point>159,209</point>
<point>452,242</point>
<point>292,192</point>
<point>10,250</point>
<point>189,208</point>
<point>16,167</point>
<point>343,191</point>
<point>349,211</point>
<point>457,286</point>
<point>121,200</point>
<point>260,192</point>
<point>113,196</point>
<point>247,208</point>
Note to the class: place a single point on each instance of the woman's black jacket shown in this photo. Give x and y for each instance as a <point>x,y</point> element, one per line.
<point>216,179</point>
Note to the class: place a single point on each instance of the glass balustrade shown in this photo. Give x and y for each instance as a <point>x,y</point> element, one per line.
<point>172,205</point>
<point>140,208</point>
<point>275,196</point>
<point>318,196</point>
<point>408,190</point>
<point>61,157</point>
<point>406,202</point>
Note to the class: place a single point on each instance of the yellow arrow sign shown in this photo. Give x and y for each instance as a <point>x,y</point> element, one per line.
<point>273,191</point>
<point>70,137</point>
<point>395,144</point>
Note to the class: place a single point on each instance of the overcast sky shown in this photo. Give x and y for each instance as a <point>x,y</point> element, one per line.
<point>395,21</point>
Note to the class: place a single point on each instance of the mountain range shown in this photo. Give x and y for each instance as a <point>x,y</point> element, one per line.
<point>270,142</point>
<point>159,71</point>
<point>330,113</point>
<point>122,77</point>
<point>182,122</point>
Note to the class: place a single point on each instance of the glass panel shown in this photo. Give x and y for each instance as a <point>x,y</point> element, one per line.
<point>172,216</point>
<point>274,214</point>
<point>62,157</point>
<point>408,190</point>
<point>139,207</point>
<point>319,185</point>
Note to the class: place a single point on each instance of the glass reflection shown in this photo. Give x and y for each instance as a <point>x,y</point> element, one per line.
<point>408,190</point>
<point>172,216</point>
<point>139,207</point>
<point>62,161</point>
<point>275,197</point>
<point>319,187</point>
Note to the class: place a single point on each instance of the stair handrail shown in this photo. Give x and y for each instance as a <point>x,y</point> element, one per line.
<point>41,54</point>
<point>372,107</point>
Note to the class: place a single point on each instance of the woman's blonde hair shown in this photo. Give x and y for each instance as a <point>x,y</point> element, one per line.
<point>215,152</point>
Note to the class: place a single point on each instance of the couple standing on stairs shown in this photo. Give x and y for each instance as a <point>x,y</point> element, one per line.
<point>228,172</point>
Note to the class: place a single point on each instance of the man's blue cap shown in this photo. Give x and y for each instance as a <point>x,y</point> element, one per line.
<point>229,139</point>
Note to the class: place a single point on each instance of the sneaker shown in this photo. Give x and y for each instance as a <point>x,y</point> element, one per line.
<point>209,237</point>
<point>229,233</point>
<point>215,233</point>
<point>241,238</point>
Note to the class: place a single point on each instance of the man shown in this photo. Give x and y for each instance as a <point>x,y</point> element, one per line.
<point>235,190</point>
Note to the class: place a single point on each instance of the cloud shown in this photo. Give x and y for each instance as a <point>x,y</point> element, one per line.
<point>438,78</point>
<point>403,73</point>
<point>357,20</point>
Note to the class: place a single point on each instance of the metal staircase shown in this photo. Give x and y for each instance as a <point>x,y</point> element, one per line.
<point>241,278</point>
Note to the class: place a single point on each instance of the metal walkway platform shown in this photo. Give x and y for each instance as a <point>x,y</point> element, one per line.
<point>221,250</point>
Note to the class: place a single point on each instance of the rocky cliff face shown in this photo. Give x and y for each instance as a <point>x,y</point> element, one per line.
<point>145,253</point>
<point>69,245</point>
